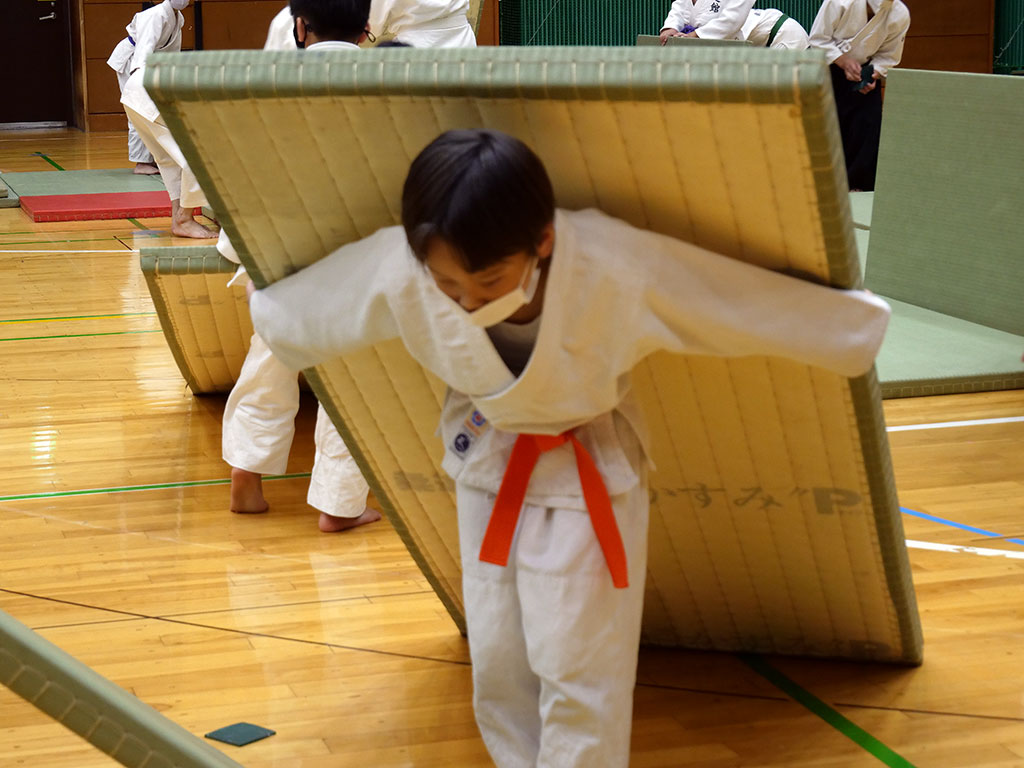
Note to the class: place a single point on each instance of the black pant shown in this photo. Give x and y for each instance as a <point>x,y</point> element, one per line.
<point>860,124</point>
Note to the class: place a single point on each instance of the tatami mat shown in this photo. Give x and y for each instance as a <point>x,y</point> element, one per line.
<point>775,525</point>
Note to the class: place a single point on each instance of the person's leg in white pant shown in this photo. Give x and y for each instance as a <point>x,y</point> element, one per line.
<point>182,187</point>
<point>259,424</point>
<point>553,643</point>
<point>792,36</point>
<point>137,151</point>
<point>337,488</point>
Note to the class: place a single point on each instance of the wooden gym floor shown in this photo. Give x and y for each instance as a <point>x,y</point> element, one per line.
<point>118,545</point>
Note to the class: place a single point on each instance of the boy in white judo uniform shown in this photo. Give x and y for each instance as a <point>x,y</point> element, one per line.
<point>733,20</point>
<point>424,23</point>
<point>862,40</point>
<point>259,416</point>
<point>182,187</point>
<point>155,29</point>
<point>535,319</point>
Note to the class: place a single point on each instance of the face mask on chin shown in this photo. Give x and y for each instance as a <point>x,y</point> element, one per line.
<point>503,307</point>
<point>179,5</point>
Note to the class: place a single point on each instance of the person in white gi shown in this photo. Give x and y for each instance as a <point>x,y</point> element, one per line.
<point>181,183</point>
<point>853,34</point>
<point>153,29</point>
<point>424,23</point>
<point>733,20</point>
<point>259,416</point>
<point>535,319</point>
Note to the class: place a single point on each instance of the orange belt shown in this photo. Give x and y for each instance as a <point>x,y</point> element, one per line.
<point>509,502</point>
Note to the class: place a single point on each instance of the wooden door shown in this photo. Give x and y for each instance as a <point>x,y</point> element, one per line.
<point>35,36</point>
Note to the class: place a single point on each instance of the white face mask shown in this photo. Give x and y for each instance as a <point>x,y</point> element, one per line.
<point>501,308</point>
<point>179,5</point>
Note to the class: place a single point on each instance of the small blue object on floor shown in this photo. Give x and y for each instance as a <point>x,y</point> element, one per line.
<point>240,734</point>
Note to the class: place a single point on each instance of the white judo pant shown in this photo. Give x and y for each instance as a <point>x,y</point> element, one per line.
<point>178,177</point>
<point>259,426</point>
<point>553,644</point>
<point>137,151</point>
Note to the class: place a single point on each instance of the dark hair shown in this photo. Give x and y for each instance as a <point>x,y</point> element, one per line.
<point>333,19</point>
<point>393,44</point>
<point>486,194</point>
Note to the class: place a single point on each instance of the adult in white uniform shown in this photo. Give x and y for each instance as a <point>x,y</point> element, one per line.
<point>855,33</point>
<point>181,183</point>
<point>153,29</point>
<point>259,417</point>
<point>424,23</point>
<point>553,617</point>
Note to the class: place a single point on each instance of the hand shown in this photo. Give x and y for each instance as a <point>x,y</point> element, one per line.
<point>869,87</point>
<point>690,34</point>
<point>667,33</point>
<point>850,66</point>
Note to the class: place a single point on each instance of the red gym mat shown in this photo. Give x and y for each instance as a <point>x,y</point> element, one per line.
<point>103,205</point>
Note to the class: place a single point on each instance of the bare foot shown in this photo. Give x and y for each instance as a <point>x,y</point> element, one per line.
<point>331,524</point>
<point>146,169</point>
<point>247,492</point>
<point>192,228</point>
<point>183,225</point>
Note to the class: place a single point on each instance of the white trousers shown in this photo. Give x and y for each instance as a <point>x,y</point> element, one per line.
<point>553,644</point>
<point>137,151</point>
<point>178,177</point>
<point>259,425</point>
<point>791,35</point>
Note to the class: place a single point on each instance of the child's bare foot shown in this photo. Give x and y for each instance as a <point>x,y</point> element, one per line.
<point>331,524</point>
<point>247,492</point>
<point>146,169</point>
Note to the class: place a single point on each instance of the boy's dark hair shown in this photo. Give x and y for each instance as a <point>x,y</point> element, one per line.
<point>484,193</point>
<point>393,44</point>
<point>333,19</point>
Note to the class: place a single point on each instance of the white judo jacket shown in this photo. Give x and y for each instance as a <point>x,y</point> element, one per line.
<point>422,23</point>
<point>614,295</point>
<point>158,29</point>
<point>714,19</point>
<point>154,29</point>
<point>842,26</point>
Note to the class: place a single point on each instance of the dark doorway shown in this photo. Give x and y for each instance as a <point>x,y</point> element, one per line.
<point>35,36</point>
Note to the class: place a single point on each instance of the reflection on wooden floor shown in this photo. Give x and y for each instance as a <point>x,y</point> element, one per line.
<point>118,546</point>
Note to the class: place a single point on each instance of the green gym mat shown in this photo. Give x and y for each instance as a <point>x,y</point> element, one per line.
<point>774,523</point>
<point>860,206</point>
<point>929,353</point>
<point>205,322</point>
<point>947,234</point>
<point>89,182</point>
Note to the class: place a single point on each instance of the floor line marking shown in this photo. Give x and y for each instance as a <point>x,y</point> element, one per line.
<point>961,526</point>
<point>79,336</point>
<point>818,707</point>
<point>149,487</point>
<point>76,317</point>
<point>948,424</point>
<point>47,159</point>
<point>983,551</point>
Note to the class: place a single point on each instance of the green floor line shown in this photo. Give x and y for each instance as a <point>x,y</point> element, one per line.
<point>846,727</point>
<point>136,223</point>
<point>76,317</point>
<point>79,335</point>
<point>130,488</point>
<point>47,159</point>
